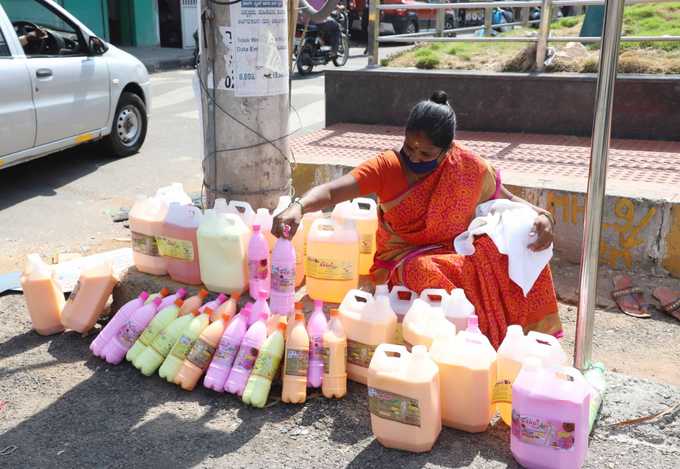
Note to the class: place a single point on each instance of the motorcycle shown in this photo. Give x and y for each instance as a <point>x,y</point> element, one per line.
<point>313,50</point>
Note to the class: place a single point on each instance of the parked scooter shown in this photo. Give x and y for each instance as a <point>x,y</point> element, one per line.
<point>313,50</point>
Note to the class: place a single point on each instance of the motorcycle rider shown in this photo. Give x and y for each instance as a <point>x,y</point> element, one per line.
<point>328,28</point>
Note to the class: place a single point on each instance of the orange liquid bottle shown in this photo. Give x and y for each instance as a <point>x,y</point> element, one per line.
<point>88,298</point>
<point>44,298</point>
<point>334,383</point>
<point>296,362</point>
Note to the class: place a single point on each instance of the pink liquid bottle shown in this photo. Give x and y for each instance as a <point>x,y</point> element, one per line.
<point>118,321</point>
<point>259,308</point>
<point>317,325</point>
<point>247,354</point>
<point>247,313</point>
<point>214,304</point>
<point>170,299</point>
<point>258,263</point>
<point>283,275</point>
<point>220,366</point>
<point>115,350</point>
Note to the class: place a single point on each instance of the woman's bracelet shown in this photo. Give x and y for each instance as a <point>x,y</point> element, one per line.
<point>550,217</point>
<point>298,201</point>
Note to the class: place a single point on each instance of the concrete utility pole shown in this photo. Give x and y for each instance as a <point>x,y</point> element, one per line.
<point>244,71</point>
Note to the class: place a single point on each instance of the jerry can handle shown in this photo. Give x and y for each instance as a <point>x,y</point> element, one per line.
<point>388,353</point>
<point>364,204</point>
<point>440,292</point>
<point>241,207</point>
<point>397,289</point>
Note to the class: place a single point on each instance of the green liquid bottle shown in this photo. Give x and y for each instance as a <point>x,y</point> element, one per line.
<point>157,324</point>
<point>151,358</point>
<point>173,362</point>
<point>266,366</point>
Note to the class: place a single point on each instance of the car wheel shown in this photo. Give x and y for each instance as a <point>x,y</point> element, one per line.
<point>129,126</point>
<point>411,27</point>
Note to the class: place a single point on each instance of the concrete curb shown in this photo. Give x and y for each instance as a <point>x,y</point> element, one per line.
<point>156,66</point>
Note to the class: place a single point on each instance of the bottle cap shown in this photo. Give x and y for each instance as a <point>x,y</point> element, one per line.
<point>335,312</point>
<point>235,296</point>
<point>515,331</point>
<point>473,323</point>
<point>225,317</point>
<point>299,316</point>
<point>248,307</point>
<point>195,312</point>
<point>256,228</point>
<point>382,289</point>
<point>221,298</point>
<point>299,306</point>
<point>164,292</point>
<point>262,295</point>
<point>179,302</point>
<point>203,293</point>
<point>281,326</point>
<point>181,293</point>
<point>144,296</point>
<point>157,301</point>
<point>208,311</point>
<point>318,304</point>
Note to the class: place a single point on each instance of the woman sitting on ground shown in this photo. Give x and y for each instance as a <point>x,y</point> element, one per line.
<point>427,194</point>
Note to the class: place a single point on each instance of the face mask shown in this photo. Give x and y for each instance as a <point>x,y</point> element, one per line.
<point>419,168</point>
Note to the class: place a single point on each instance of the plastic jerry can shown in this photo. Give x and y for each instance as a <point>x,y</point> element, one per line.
<point>513,350</point>
<point>332,260</point>
<point>44,297</point>
<point>423,322</point>
<point>546,348</point>
<point>88,298</point>
<point>467,364</point>
<point>223,246</point>
<point>403,398</point>
<point>242,209</point>
<point>299,246</point>
<point>178,244</point>
<point>401,299</point>
<point>368,322</point>
<point>174,193</point>
<point>458,308</point>
<point>436,298</point>
<point>363,212</point>
<point>550,410</point>
<point>146,223</point>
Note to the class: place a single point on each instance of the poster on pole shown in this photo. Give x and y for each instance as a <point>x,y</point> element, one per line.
<point>260,49</point>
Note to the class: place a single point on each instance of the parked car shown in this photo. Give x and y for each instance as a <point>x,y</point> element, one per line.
<point>401,21</point>
<point>65,88</point>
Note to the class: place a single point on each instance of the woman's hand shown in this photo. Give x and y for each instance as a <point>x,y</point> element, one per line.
<point>543,229</point>
<point>292,216</point>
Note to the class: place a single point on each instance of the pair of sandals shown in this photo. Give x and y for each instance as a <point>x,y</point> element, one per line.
<point>631,300</point>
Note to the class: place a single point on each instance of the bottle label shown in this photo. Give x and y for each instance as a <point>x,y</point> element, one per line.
<point>366,243</point>
<point>246,358</point>
<point>326,357</point>
<point>390,406</point>
<point>539,431</point>
<point>258,270</point>
<point>226,352</point>
<point>144,244</point>
<point>180,249</point>
<point>359,354</point>
<point>150,333</point>
<point>297,362</point>
<point>128,334</point>
<point>267,365</point>
<point>502,393</point>
<point>330,269</point>
<point>163,343</point>
<point>283,279</point>
<point>201,354</point>
<point>315,348</point>
<point>182,347</point>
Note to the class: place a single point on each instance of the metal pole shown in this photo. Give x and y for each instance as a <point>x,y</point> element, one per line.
<point>487,21</point>
<point>373,33</point>
<point>543,33</point>
<point>440,21</point>
<point>592,223</point>
<point>525,16</point>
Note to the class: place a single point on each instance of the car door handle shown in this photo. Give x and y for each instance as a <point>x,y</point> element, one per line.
<point>43,73</point>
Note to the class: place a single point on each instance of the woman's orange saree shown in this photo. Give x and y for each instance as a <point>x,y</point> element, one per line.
<point>415,249</point>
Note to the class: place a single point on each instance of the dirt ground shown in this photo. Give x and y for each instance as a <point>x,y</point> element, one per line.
<point>62,407</point>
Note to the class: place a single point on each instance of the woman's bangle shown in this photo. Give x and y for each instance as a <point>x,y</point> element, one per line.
<point>298,201</point>
<point>550,217</point>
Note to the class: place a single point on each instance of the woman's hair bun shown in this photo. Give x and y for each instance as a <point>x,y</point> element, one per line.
<point>439,97</point>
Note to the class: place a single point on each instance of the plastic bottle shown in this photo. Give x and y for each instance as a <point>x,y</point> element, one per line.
<point>227,349</point>
<point>228,307</point>
<point>265,368</point>
<point>283,275</point>
<point>549,417</point>
<point>258,263</point>
<point>334,383</point>
<point>403,398</point>
<point>260,308</point>
<point>316,328</point>
<point>511,353</point>
<point>296,362</point>
<point>222,249</point>
<point>193,302</point>
<point>332,265</point>
<point>467,367</point>
<point>153,356</point>
<point>162,320</point>
<point>423,322</point>
<point>116,348</point>
<point>368,323</point>
<point>178,245</point>
<point>401,300</point>
<point>173,362</point>
<point>247,312</point>
<point>246,357</point>
<point>88,299</point>
<point>363,212</point>
<point>201,354</point>
<point>146,222</point>
<point>162,294</point>
<point>299,247</point>
<point>458,308</point>
<point>113,326</point>
<point>170,299</point>
<point>214,304</point>
<point>44,297</point>
<point>265,220</point>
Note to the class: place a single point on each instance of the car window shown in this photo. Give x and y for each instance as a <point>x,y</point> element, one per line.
<point>4,48</point>
<point>63,38</point>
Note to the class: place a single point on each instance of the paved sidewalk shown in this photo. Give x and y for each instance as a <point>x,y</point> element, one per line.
<point>158,59</point>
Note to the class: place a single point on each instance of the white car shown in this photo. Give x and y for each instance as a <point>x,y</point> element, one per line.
<point>64,86</point>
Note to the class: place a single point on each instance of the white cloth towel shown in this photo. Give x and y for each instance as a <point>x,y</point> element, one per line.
<point>509,225</point>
